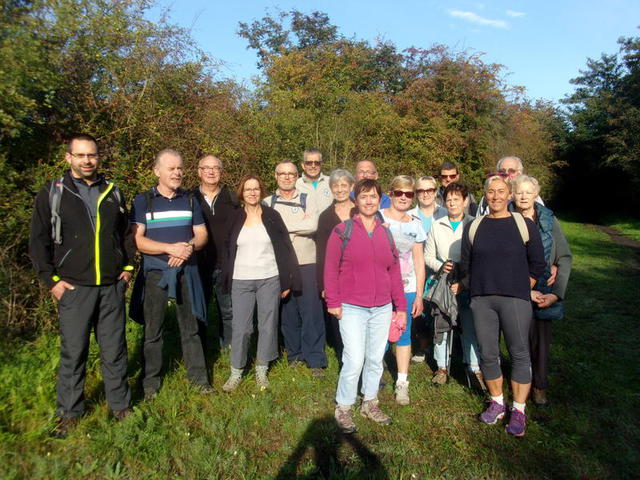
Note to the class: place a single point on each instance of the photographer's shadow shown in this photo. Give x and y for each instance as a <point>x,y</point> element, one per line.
<point>325,441</point>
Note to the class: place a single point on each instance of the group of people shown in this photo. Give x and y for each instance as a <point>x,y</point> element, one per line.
<point>321,258</point>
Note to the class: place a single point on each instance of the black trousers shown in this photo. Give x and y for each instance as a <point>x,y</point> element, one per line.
<point>100,308</point>
<point>539,344</point>
<point>155,307</point>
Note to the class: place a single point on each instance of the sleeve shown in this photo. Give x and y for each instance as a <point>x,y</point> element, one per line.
<point>397,287</point>
<point>331,271</point>
<point>430,256</point>
<point>139,210</point>
<point>40,241</point>
<point>421,235</point>
<point>464,267</point>
<point>563,259</point>
<point>535,251</point>
<point>126,236</point>
<point>322,235</point>
<point>198,216</point>
<point>291,278</point>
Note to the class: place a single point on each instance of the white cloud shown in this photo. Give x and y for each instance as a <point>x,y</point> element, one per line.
<point>514,14</point>
<point>477,19</point>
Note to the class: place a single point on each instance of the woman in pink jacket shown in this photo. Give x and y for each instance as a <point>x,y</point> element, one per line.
<point>363,286</point>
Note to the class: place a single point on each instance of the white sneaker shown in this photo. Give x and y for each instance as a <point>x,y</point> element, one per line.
<point>418,358</point>
<point>402,393</point>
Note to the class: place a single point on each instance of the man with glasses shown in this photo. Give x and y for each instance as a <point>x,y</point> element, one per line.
<point>302,319</point>
<point>313,182</point>
<point>80,246</point>
<point>367,169</point>
<point>219,205</point>
<point>449,173</point>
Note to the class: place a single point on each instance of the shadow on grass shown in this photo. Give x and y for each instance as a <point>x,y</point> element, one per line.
<point>329,449</point>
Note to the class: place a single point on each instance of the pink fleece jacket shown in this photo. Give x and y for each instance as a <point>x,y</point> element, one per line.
<point>369,275</point>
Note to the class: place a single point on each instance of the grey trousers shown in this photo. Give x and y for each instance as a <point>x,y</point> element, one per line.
<point>100,308</point>
<point>492,313</point>
<point>244,296</point>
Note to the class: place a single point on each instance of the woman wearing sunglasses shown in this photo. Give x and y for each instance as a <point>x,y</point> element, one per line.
<point>409,237</point>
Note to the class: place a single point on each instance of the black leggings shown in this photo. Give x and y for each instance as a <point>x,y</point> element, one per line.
<point>492,313</point>
<point>540,341</point>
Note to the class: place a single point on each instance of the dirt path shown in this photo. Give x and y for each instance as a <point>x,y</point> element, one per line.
<point>620,239</point>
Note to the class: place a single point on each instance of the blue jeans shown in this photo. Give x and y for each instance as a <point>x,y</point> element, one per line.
<point>364,331</point>
<point>469,343</point>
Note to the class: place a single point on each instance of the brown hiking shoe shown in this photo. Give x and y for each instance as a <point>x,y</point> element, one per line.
<point>63,426</point>
<point>120,415</point>
<point>540,397</point>
<point>344,419</point>
<point>371,410</point>
<point>440,377</point>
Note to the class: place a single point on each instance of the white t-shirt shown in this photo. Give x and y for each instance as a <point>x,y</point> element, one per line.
<point>255,258</point>
<point>406,235</point>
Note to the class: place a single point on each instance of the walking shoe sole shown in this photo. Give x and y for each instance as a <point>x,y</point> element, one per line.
<point>499,417</point>
<point>386,422</point>
<point>517,435</point>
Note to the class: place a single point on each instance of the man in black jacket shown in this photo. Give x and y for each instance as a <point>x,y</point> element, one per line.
<point>219,205</point>
<point>77,245</point>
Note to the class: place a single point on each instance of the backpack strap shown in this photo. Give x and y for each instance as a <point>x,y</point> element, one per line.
<point>522,226</point>
<point>474,228</point>
<point>149,197</point>
<point>55,196</point>
<point>392,243</point>
<point>303,201</point>
<point>273,200</point>
<point>345,236</point>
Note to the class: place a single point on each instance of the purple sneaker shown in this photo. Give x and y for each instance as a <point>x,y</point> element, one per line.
<point>517,423</point>
<point>493,413</point>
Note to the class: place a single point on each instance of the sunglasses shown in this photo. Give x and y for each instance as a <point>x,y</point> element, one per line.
<point>313,163</point>
<point>449,177</point>
<point>497,174</point>
<point>426,190</point>
<point>399,193</point>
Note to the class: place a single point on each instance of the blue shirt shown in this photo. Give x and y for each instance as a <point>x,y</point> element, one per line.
<point>173,218</point>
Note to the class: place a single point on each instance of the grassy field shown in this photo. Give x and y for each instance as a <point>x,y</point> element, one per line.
<point>591,430</point>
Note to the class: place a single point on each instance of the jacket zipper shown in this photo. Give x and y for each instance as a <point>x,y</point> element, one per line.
<point>97,230</point>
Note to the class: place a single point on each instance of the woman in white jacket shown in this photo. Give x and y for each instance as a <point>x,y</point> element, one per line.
<point>443,247</point>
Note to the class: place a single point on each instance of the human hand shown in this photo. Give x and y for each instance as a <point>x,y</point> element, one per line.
<point>417,307</point>
<point>535,296</point>
<point>59,288</point>
<point>447,266</point>
<point>126,276</point>
<point>180,250</point>
<point>336,312</point>
<point>547,299</point>
<point>175,261</point>
<point>401,319</point>
<point>554,274</point>
<point>456,288</point>
<point>285,293</point>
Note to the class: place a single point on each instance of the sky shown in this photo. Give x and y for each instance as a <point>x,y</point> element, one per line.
<point>541,44</point>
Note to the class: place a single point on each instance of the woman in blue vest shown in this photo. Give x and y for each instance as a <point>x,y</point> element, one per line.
<point>549,291</point>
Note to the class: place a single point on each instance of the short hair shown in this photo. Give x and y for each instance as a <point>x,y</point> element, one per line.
<point>456,187</point>
<point>427,178</point>
<point>310,151</point>
<point>492,178</point>
<point>365,185</point>
<point>448,166</point>
<point>284,162</point>
<point>339,174</point>
<point>245,179</point>
<point>520,179</point>
<point>166,151</point>
<point>81,136</point>
<point>212,156</point>
<point>366,160</point>
<point>517,159</point>
<point>402,181</point>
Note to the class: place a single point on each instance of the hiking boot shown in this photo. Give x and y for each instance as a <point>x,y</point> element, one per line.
<point>371,410</point>
<point>120,415</point>
<point>296,363</point>
<point>540,397</point>
<point>232,383</point>
<point>493,413</point>
<point>204,388</point>
<point>477,380</point>
<point>402,393</point>
<point>418,358</point>
<point>64,424</point>
<point>317,372</point>
<point>344,419</point>
<point>517,423</point>
<point>261,377</point>
<point>440,377</point>
<point>150,395</point>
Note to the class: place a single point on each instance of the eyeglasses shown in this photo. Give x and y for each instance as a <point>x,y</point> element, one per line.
<point>497,174</point>
<point>449,177</point>
<point>82,156</point>
<point>400,193</point>
<point>286,174</point>
<point>430,191</point>
<point>367,172</point>
<point>256,189</point>
<point>211,169</point>
<point>508,171</point>
<point>312,163</point>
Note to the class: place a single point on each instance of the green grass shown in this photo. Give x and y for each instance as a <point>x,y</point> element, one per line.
<point>286,432</point>
<point>630,227</point>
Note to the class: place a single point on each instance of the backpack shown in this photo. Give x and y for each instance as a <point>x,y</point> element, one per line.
<point>149,200</point>
<point>345,236</point>
<point>520,222</point>
<point>55,197</point>
<point>302,204</point>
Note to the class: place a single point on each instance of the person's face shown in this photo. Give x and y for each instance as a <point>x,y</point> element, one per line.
<point>251,193</point>
<point>426,192</point>
<point>368,202</point>
<point>525,195</point>
<point>210,171</point>
<point>286,176</point>
<point>455,204</point>
<point>366,169</point>
<point>401,198</point>
<point>83,159</point>
<point>510,166</point>
<point>169,171</point>
<point>497,196</point>
<point>341,189</point>
<point>312,165</point>
<point>449,176</point>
